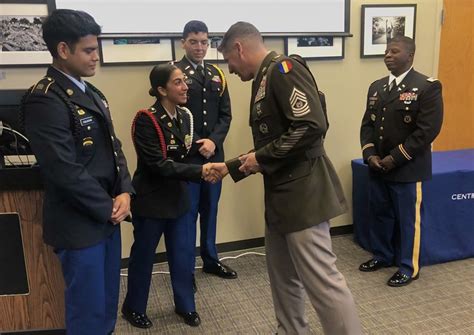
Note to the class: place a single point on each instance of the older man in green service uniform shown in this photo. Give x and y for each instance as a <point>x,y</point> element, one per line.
<point>302,190</point>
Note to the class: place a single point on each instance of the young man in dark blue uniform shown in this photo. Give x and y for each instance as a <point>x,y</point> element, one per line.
<point>403,116</point>
<point>209,102</point>
<point>85,175</point>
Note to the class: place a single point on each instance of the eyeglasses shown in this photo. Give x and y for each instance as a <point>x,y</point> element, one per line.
<point>195,43</point>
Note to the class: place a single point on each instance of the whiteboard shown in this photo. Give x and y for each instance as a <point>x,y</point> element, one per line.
<point>168,17</point>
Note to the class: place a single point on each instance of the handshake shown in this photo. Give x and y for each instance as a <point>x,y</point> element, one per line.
<point>214,172</point>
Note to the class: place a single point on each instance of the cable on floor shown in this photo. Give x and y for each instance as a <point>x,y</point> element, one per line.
<point>200,267</point>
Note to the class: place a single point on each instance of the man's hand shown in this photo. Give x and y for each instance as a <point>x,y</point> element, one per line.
<point>221,169</point>
<point>249,164</point>
<point>209,174</point>
<point>374,163</point>
<point>207,149</point>
<point>387,163</point>
<point>121,208</point>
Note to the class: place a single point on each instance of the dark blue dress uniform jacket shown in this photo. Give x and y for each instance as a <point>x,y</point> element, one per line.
<point>403,123</point>
<point>159,181</point>
<point>209,102</point>
<point>81,160</point>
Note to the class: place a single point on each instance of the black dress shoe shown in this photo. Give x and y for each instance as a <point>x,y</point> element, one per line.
<point>401,279</point>
<point>220,270</point>
<point>190,318</point>
<point>372,265</point>
<point>136,319</point>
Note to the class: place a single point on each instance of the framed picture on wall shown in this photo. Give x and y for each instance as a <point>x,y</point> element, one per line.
<point>381,23</point>
<point>21,39</point>
<point>315,47</point>
<point>135,49</point>
<point>212,54</point>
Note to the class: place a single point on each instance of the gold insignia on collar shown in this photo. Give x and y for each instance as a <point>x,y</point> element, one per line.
<point>69,92</point>
<point>81,112</point>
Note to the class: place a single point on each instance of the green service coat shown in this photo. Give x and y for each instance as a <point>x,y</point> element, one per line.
<point>288,124</point>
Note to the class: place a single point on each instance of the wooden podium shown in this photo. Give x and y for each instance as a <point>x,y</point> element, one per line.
<point>42,308</point>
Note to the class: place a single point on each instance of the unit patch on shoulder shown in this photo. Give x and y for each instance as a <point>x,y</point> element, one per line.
<point>299,103</point>
<point>285,66</point>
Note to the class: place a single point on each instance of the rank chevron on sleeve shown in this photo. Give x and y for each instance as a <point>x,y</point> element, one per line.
<point>299,103</point>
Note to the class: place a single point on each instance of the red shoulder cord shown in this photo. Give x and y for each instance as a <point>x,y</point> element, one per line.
<point>159,132</point>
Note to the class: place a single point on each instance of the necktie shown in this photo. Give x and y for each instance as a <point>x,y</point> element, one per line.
<point>391,86</point>
<point>200,72</point>
<point>176,123</point>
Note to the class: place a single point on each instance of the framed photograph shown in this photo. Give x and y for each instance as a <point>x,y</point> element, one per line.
<point>315,47</point>
<point>212,54</point>
<point>135,49</point>
<point>21,39</point>
<point>381,23</point>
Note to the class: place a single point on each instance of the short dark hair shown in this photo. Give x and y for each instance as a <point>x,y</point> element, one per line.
<point>194,26</point>
<point>238,30</point>
<point>408,42</point>
<point>69,26</point>
<point>159,76</point>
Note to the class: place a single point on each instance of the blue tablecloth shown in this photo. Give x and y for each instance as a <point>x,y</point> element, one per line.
<point>447,231</point>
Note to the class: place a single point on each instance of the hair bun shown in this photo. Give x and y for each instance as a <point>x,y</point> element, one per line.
<point>152,92</point>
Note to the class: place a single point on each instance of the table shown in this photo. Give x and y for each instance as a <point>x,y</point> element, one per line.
<point>447,232</point>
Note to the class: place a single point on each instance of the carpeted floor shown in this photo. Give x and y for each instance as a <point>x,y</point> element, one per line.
<point>440,302</point>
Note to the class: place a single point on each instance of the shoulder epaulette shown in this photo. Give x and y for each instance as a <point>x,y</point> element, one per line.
<point>431,79</point>
<point>274,59</point>
<point>45,85</point>
<point>42,85</point>
<point>223,80</point>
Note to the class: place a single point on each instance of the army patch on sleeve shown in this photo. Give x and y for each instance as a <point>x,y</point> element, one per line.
<point>285,66</point>
<point>299,103</point>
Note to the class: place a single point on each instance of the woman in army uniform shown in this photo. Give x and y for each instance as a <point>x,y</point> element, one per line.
<point>163,137</point>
